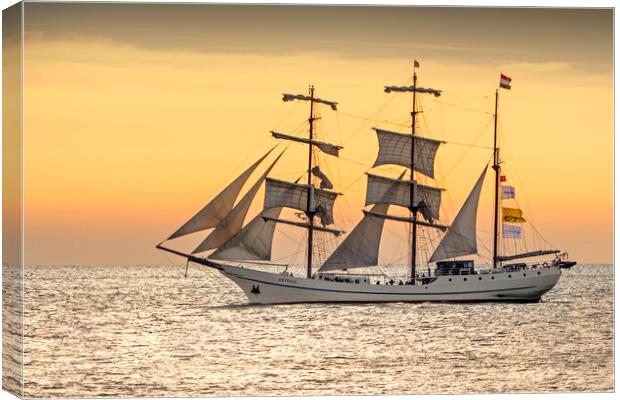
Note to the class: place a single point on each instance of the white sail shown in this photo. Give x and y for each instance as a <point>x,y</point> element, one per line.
<point>460,240</point>
<point>361,246</point>
<point>395,148</point>
<point>383,190</point>
<point>214,212</point>
<point>292,195</point>
<point>233,222</point>
<point>253,242</point>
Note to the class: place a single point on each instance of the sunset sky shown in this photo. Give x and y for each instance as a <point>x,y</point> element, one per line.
<point>136,115</point>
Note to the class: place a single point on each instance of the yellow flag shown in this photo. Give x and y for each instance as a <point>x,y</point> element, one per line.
<point>512,215</point>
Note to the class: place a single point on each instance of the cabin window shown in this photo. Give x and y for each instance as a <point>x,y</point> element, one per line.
<point>464,279</point>
<point>538,272</point>
<point>479,278</point>
<point>510,276</point>
<point>524,274</point>
<point>449,279</point>
<point>492,277</point>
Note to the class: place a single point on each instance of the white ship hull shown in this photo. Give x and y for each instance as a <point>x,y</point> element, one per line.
<point>271,288</point>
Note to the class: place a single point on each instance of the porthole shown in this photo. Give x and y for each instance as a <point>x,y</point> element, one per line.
<point>449,279</point>
<point>538,272</point>
<point>492,277</point>
<point>510,276</point>
<point>479,278</point>
<point>425,287</point>
<point>524,274</point>
<point>464,279</point>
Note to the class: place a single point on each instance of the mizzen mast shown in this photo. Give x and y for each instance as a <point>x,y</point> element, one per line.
<point>413,208</point>
<point>309,211</point>
<point>504,83</point>
<point>496,168</point>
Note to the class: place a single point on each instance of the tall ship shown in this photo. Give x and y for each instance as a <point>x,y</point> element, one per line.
<point>241,252</point>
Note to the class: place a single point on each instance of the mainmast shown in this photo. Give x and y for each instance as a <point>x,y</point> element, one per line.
<point>496,168</point>
<point>412,206</point>
<point>309,211</point>
<point>400,149</point>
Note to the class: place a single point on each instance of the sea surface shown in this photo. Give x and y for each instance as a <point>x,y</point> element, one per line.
<point>148,331</point>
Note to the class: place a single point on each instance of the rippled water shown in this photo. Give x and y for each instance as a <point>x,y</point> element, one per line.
<point>147,331</point>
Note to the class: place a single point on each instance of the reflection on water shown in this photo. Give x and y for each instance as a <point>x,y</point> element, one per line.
<point>147,331</point>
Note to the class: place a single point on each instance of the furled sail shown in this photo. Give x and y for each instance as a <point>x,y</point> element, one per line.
<point>214,212</point>
<point>460,240</point>
<point>253,242</point>
<point>383,190</point>
<point>326,148</point>
<point>290,97</point>
<point>536,253</point>
<point>285,194</point>
<point>395,148</point>
<point>435,92</point>
<point>233,222</point>
<point>325,182</point>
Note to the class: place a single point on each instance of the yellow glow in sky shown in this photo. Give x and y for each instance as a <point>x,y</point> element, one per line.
<point>124,141</point>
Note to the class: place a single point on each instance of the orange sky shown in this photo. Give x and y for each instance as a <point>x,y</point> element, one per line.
<point>129,128</point>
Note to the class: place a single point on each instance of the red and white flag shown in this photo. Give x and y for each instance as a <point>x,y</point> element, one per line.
<point>504,81</point>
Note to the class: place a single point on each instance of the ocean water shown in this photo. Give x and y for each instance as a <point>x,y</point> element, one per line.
<point>148,331</point>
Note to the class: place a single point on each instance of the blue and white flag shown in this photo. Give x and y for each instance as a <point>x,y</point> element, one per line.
<point>508,192</point>
<point>511,231</point>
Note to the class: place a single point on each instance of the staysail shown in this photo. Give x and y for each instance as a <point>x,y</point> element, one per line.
<point>395,148</point>
<point>293,195</point>
<point>361,246</point>
<point>215,211</point>
<point>384,190</point>
<point>233,221</point>
<point>253,242</point>
<point>460,240</point>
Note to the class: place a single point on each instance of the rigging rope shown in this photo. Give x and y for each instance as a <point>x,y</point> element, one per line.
<point>375,119</point>
<point>461,107</point>
<point>513,166</point>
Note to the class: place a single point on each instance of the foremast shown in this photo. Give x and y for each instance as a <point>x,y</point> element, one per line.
<point>234,242</point>
<point>314,196</point>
